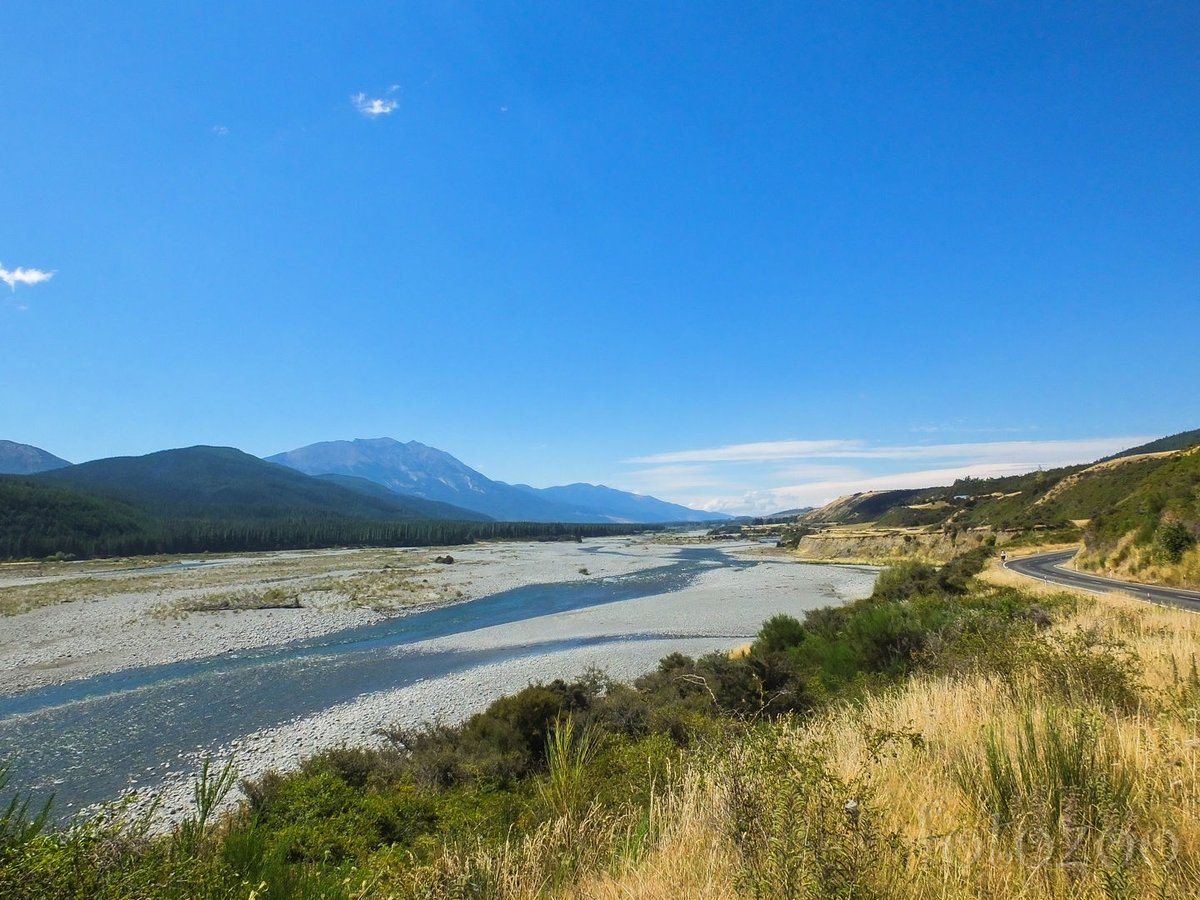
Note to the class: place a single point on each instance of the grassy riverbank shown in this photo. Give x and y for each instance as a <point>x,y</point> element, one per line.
<point>947,737</point>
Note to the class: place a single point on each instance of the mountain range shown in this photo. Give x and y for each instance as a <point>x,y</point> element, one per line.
<point>222,483</point>
<point>365,480</point>
<point>414,469</point>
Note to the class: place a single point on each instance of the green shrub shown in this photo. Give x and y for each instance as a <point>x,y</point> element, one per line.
<point>954,577</point>
<point>905,580</point>
<point>1172,540</point>
<point>826,621</point>
<point>778,633</point>
<point>317,816</point>
<point>1088,668</point>
<point>803,831</point>
<point>886,636</point>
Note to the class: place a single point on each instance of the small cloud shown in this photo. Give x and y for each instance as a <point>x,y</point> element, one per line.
<point>392,88</point>
<point>220,130</point>
<point>373,107</point>
<point>504,109</point>
<point>23,276</point>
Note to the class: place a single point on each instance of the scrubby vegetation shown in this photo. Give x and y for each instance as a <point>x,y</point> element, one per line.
<point>1045,499</point>
<point>1136,513</point>
<point>943,737</point>
<point>1152,533</point>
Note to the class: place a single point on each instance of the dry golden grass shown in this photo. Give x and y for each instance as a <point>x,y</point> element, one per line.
<point>691,859</point>
<point>950,846</point>
<point>663,851</point>
<point>905,759</point>
<point>1128,560</point>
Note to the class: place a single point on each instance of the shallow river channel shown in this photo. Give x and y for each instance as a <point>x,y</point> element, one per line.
<point>89,740</point>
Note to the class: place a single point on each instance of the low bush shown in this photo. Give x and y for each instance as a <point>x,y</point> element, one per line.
<point>802,830</point>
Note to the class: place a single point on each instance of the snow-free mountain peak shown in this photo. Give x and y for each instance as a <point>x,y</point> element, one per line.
<point>25,459</point>
<point>418,470</point>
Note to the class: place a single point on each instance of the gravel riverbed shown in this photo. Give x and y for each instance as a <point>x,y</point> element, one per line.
<point>120,623</point>
<point>720,610</point>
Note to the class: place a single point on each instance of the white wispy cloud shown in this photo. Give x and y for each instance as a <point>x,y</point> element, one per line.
<point>818,493</point>
<point>766,476</point>
<point>769,451</point>
<point>373,107</point>
<point>816,471</point>
<point>19,275</point>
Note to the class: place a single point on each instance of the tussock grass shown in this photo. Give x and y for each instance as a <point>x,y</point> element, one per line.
<point>896,797</point>
<point>19,822</point>
<point>570,749</point>
<point>1058,771</point>
<point>690,856</point>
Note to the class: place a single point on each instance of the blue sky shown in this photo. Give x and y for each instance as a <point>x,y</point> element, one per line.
<point>735,255</point>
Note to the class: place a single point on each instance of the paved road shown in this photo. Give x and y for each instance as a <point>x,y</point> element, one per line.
<point>1048,567</point>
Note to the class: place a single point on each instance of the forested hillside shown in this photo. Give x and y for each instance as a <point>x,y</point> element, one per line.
<point>38,521</point>
<point>222,500</point>
<point>205,483</point>
<point>1181,441</point>
<point>1049,498</point>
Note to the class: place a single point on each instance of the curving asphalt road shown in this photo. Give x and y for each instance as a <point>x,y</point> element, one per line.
<point>1048,567</point>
